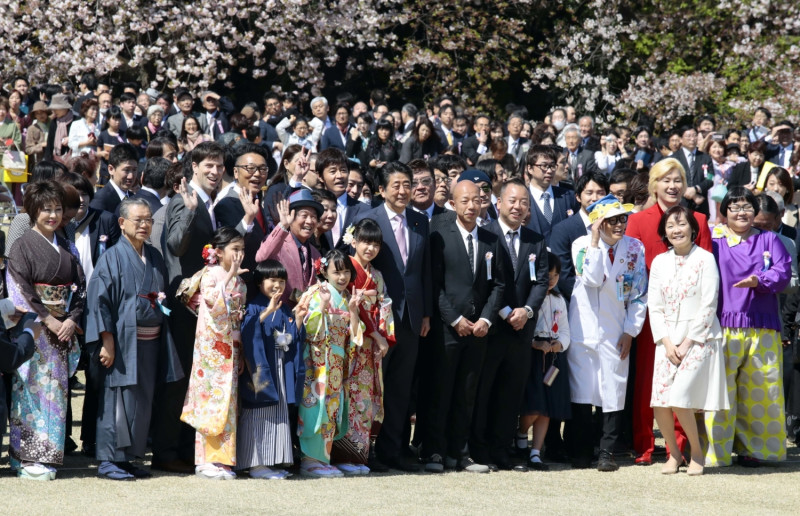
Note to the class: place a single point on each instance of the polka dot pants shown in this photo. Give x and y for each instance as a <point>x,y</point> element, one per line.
<point>754,425</point>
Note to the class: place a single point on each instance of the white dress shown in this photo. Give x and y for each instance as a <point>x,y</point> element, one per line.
<point>682,300</point>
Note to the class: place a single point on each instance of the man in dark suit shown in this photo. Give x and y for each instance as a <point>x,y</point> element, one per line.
<point>591,187</point>
<point>122,168</point>
<point>468,284</point>
<point>404,261</point>
<point>242,207</point>
<point>190,225</point>
<point>549,204</point>
<point>517,146</point>
<point>580,161</point>
<point>477,144</point>
<point>422,188</point>
<point>332,170</point>
<point>14,352</point>
<point>698,165</point>
<point>336,135</point>
<point>213,122</point>
<point>508,356</point>
<point>153,185</point>
<point>127,103</point>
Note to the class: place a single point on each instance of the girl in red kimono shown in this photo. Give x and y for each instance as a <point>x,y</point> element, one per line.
<point>364,383</point>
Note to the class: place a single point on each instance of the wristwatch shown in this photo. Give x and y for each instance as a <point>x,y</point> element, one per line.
<point>529,312</point>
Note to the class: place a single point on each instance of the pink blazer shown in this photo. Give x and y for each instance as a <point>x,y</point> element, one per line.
<point>280,245</point>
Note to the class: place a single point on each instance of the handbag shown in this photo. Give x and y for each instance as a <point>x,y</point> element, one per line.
<point>15,164</point>
<point>718,192</point>
<point>189,291</point>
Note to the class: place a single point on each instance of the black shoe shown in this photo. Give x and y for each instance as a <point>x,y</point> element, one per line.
<point>377,466</point>
<point>70,446</point>
<point>434,464</point>
<point>606,462</point>
<point>88,450</point>
<point>747,462</point>
<point>173,466</point>
<point>76,385</point>
<point>399,463</point>
<point>538,466</point>
<point>555,456</point>
<point>502,464</point>
<point>470,466</point>
<point>581,463</point>
<point>134,470</point>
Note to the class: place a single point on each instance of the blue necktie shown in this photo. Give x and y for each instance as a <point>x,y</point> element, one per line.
<point>547,211</point>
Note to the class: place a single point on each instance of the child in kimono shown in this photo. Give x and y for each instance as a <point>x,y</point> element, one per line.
<point>363,386</point>
<point>547,392</point>
<point>272,377</point>
<point>210,405</point>
<point>331,325</point>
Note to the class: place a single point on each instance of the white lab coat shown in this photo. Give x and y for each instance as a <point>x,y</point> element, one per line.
<point>597,319</point>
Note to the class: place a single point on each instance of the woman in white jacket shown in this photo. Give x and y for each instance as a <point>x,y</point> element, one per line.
<point>689,371</point>
<point>300,132</point>
<point>83,133</point>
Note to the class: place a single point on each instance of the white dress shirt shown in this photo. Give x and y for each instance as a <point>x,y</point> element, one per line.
<point>122,194</point>
<point>474,234</point>
<point>537,197</point>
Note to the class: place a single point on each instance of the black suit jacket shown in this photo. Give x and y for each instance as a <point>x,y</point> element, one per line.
<point>185,234</point>
<point>106,199</point>
<point>409,287</point>
<point>354,207</point>
<point>563,202</point>
<point>152,200</point>
<point>102,223</point>
<point>740,174</point>
<point>219,127</point>
<point>469,149</point>
<point>696,177</point>
<point>586,163</point>
<point>332,137</point>
<point>564,234</point>
<point>520,289</point>
<point>123,124</point>
<point>229,213</point>
<point>460,293</point>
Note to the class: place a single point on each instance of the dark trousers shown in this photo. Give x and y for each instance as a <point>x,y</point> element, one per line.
<point>582,431</point>
<point>500,391</point>
<point>398,373</point>
<point>172,438</point>
<point>451,381</point>
<point>94,382</point>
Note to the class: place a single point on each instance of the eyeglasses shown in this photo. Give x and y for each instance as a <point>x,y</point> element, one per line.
<point>141,223</point>
<point>443,180</point>
<point>485,188</point>
<point>746,208</point>
<point>615,221</point>
<point>422,182</point>
<point>252,169</point>
<point>545,166</point>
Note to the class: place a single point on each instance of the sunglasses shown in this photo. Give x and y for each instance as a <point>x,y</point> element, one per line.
<point>619,219</point>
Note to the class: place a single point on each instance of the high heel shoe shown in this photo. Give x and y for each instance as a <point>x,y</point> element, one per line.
<point>694,470</point>
<point>670,468</point>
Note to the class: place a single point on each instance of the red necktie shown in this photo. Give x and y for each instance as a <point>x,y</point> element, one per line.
<point>260,219</point>
<point>611,255</point>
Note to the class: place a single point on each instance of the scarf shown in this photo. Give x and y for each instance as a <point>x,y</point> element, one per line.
<point>62,132</point>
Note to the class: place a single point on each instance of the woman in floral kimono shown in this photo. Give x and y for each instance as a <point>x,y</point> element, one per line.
<point>43,277</point>
<point>364,382</point>
<point>332,324</point>
<point>210,405</point>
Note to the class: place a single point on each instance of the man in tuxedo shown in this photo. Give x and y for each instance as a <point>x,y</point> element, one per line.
<point>337,134</point>
<point>153,187</point>
<point>468,284</point>
<point>190,225</point>
<point>123,164</point>
<point>580,161</point>
<point>590,188</point>
<point>213,122</point>
<point>698,165</point>
<point>242,207</point>
<point>508,356</point>
<point>404,261</point>
<point>332,170</point>
<point>477,144</point>
<point>517,145</point>
<point>422,188</point>
<point>549,204</point>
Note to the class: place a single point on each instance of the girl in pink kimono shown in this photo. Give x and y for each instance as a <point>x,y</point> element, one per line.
<point>210,405</point>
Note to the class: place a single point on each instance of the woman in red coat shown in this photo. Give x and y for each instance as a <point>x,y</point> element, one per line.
<point>667,184</point>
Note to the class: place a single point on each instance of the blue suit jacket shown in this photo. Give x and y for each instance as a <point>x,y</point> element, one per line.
<point>106,198</point>
<point>332,137</point>
<point>409,286</point>
<point>564,234</point>
<point>563,201</point>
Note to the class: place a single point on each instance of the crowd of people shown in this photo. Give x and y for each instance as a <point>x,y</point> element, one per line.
<point>267,292</point>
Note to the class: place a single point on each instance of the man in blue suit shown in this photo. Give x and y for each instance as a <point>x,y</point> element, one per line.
<point>337,134</point>
<point>591,187</point>
<point>332,170</point>
<point>122,168</point>
<point>404,260</point>
<point>549,204</point>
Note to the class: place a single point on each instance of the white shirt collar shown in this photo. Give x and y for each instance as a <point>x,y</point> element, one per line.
<point>505,228</point>
<point>584,217</point>
<point>120,193</point>
<point>342,200</point>
<point>391,213</point>
<point>200,193</point>
<point>688,152</point>
<point>537,193</point>
<point>464,232</point>
<point>148,189</point>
